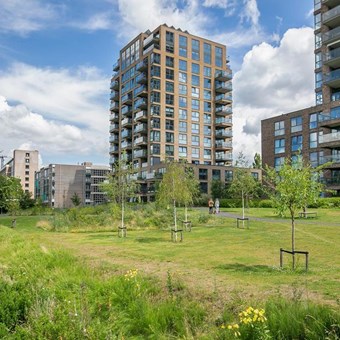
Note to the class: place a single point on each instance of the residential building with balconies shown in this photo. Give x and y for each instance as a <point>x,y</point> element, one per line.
<point>171,98</point>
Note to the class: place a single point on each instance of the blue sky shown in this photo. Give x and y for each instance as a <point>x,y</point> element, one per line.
<point>56,60</point>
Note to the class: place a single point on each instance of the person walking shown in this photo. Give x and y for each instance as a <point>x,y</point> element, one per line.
<point>217,206</point>
<point>211,205</point>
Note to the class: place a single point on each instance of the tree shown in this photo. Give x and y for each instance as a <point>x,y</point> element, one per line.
<point>293,188</point>
<point>218,189</point>
<point>257,163</point>
<point>121,185</point>
<point>26,201</point>
<point>75,199</point>
<point>178,186</point>
<point>10,193</point>
<point>193,191</point>
<point>243,184</point>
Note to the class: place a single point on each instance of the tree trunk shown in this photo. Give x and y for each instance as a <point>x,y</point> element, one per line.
<point>186,213</point>
<point>242,209</point>
<point>293,238</point>
<point>175,219</point>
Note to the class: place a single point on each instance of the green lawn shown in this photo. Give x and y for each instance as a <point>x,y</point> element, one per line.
<point>216,255</point>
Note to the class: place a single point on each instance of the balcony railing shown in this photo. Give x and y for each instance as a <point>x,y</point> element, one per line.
<point>140,128</point>
<point>139,153</point>
<point>140,114</point>
<point>224,110</point>
<point>114,94</point>
<point>126,133</point>
<point>141,78</point>
<point>224,133</point>
<point>328,117</point>
<point>222,144</point>
<point>222,120</point>
<point>114,116</point>
<point>140,89</point>
<point>126,121</point>
<point>114,148</point>
<point>332,13</point>
<point>113,138</point>
<point>140,140</point>
<point>223,75</point>
<point>114,127</point>
<point>330,35</point>
<point>333,54</point>
<point>224,156</point>
<point>331,158</point>
<point>223,86</point>
<point>114,84</point>
<point>114,106</point>
<point>333,75</point>
<point>330,137</point>
<point>140,103</point>
<point>142,65</point>
<point>125,145</point>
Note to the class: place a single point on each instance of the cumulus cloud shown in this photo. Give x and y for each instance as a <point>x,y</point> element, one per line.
<point>98,21</point>
<point>250,12</point>
<point>23,17</point>
<point>272,81</point>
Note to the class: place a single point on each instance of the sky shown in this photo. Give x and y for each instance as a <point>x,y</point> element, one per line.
<point>56,60</point>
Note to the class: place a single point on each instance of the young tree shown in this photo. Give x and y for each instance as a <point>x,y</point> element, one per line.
<point>193,191</point>
<point>178,186</point>
<point>257,163</point>
<point>243,184</point>
<point>10,193</point>
<point>26,201</point>
<point>121,185</point>
<point>292,188</point>
<point>218,189</point>
<point>75,199</point>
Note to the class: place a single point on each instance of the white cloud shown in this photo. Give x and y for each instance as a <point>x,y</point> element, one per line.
<point>272,81</point>
<point>98,21</point>
<point>23,17</point>
<point>216,3</point>
<point>251,12</point>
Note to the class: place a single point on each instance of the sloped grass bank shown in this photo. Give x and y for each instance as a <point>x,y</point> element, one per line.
<point>49,294</point>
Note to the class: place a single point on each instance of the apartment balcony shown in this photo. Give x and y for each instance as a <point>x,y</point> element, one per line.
<point>114,85</point>
<point>142,78</point>
<point>126,122</point>
<point>141,128</point>
<point>142,153</point>
<point>221,134</point>
<point>223,75</point>
<point>150,39</point>
<point>219,156</point>
<point>142,65</point>
<point>150,48</point>
<point>114,96</point>
<point>127,99</point>
<point>332,79</point>
<point>223,99</point>
<point>330,140</point>
<point>126,133</point>
<point>331,3</point>
<point>126,145</point>
<point>334,159</point>
<point>223,87</point>
<point>115,66</point>
<point>140,141</point>
<point>332,183</point>
<point>331,18</point>
<point>114,107</point>
<point>141,103</point>
<point>114,149</point>
<point>332,37</point>
<point>332,58</point>
<point>114,139</point>
<point>329,120</point>
<point>114,117</point>
<point>222,145</point>
<point>223,110</point>
<point>141,116</point>
<point>114,127</point>
<point>223,122</point>
<point>113,159</point>
<point>141,91</point>
<point>127,111</point>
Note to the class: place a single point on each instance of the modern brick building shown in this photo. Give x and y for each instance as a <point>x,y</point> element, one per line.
<point>23,166</point>
<point>316,130</point>
<point>171,97</point>
<point>57,183</point>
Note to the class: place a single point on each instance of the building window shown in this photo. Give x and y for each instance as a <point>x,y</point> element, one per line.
<point>169,137</point>
<point>182,101</point>
<point>207,142</point>
<point>195,116</point>
<point>169,42</point>
<point>182,77</point>
<point>27,185</point>
<point>207,71</point>
<point>155,97</point>
<point>335,96</point>
<point>317,21</point>
<point>182,126</point>
<point>318,98</point>
<point>169,74</point>
<point>207,95</point>
<point>195,92</point>
<point>203,174</point>
<point>155,136</point>
<point>207,130</point>
<point>182,89</point>
<point>228,175</point>
<point>182,151</point>
<point>279,146</point>
<point>313,140</point>
<point>182,114</point>
<point>195,80</point>
<point>216,175</point>
<point>313,159</point>
<point>195,68</point>
<point>155,84</point>
<point>195,140</point>
<point>155,110</point>
<point>318,60</point>
<point>182,65</point>
<point>317,4</point>
<point>27,154</point>
<point>207,118</point>
<point>207,106</point>
<point>207,154</point>
<point>169,124</point>
<point>169,61</point>
<point>195,153</point>
<point>182,138</point>
<point>195,49</point>
<point>169,86</point>
<point>207,53</point>
<point>169,150</point>
<point>207,83</point>
<point>195,104</point>
<point>27,173</point>
<point>155,149</point>
<point>318,79</point>
<point>218,56</point>
<point>155,58</point>
<point>318,40</point>
<point>155,71</point>
<point>195,128</point>
<point>296,124</point>
<point>313,120</point>
<point>183,42</point>
<point>27,160</point>
<point>169,112</point>
<point>27,166</point>
<point>296,143</point>
<point>278,162</point>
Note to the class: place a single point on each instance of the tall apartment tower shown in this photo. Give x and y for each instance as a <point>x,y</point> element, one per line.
<point>171,97</point>
<point>23,165</point>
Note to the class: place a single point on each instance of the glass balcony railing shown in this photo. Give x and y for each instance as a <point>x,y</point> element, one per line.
<point>333,54</point>
<point>114,84</point>
<point>125,144</point>
<point>224,133</point>
<point>141,78</point>
<point>139,90</point>
<point>226,86</point>
<point>330,137</point>
<point>113,138</point>
<point>333,75</point>
<point>330,35</point>
<point>222,120</point>
<point>332,13</point>
<point>225,109</point>
<point>139,153</point>
<point>142,65</point>
<point>330,116</point>
<point>223,75</point>
<point>140,115</point>
<point>126,121</point>
<point>114,106</point>
<point>331,158</point>
<point>224,156</point>
<point>222,144</point>
<point>140,128</point>
<point>126,134</point>
<point>140,140</point>
<point>139,103</point>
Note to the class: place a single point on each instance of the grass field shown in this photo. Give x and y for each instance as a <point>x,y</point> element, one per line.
<point>218,256</point>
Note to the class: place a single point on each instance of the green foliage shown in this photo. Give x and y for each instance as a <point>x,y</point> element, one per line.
<point>218,190</point>
<point>10,194</point>
<point>26,201</point>
<point>76,199</point>
<point>257,163</point>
